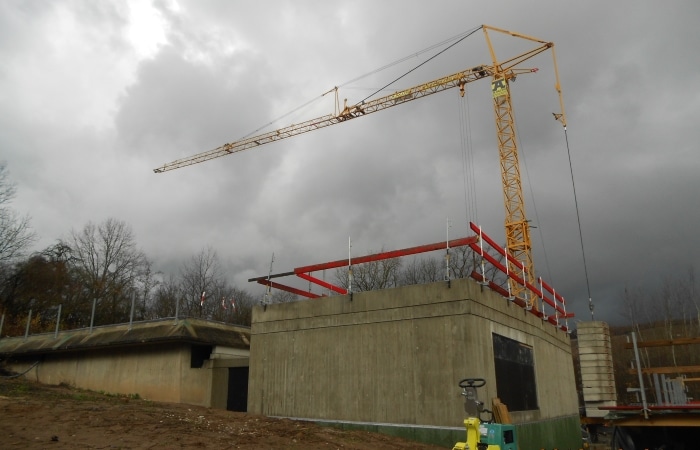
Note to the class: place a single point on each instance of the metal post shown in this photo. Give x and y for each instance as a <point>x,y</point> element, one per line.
<point>177,310</point>
<point>58,321</point>
<point>131,317</point>
<point>544,313</point>
<point>29,320</point>
<point>639,375</point>
<point>526,293</point>
<point>92,316</point>
<point>350,266</point>
<point>483,281</point>
<point>447,253</point>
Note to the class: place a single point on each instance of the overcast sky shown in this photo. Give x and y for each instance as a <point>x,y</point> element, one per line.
<point>95,95</point>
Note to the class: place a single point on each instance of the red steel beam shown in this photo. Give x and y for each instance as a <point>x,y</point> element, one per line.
<point>387,255</point>
<point>325,284</point>
<point>282,287</point>
<point>477,229</point>
<point>517,279</point>
<point>517,300</point>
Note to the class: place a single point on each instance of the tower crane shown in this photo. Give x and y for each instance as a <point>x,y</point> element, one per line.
<point>501,73</point>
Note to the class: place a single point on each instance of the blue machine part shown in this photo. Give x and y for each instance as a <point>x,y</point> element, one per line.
<point>500,434</point>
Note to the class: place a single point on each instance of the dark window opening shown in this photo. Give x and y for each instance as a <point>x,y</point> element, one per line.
<point>237,389</point>
<point>199,354</point>
<point>515,374</point>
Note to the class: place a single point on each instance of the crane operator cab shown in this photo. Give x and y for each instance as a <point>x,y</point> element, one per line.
<point>483,434</point>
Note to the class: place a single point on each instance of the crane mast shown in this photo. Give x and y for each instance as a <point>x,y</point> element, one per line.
<point>501,73</point>
<point>517,227</point>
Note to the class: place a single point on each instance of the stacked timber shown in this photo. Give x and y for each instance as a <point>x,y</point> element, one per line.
<point>597,373</point>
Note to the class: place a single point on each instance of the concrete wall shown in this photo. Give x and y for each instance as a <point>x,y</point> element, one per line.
<point>396,356</point>
<point>156,372</point>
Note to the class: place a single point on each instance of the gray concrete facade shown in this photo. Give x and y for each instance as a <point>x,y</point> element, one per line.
<point>396,356</point>
<point>183,361</point>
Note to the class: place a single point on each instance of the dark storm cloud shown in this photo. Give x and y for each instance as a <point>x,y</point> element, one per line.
<point>93,100</point>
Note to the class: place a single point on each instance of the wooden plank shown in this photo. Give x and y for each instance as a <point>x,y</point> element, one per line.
<point>500,411</point>
<point>665,342</point>
<point>678,369</point>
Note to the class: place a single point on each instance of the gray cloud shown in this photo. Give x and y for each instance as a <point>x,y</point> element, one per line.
<point>89,109</point>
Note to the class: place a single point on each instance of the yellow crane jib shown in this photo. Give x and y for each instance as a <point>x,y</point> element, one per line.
<point>502,73</point>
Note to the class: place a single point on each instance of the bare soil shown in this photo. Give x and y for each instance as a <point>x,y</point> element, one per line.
<point>35,416</point>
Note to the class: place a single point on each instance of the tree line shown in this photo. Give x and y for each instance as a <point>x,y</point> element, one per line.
<point>100,268</point>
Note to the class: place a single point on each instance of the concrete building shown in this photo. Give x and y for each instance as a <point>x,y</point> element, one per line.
<point>191,361</point>
<point>391,361</point>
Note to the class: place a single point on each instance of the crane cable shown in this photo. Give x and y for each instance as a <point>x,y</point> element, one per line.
<point>465,35</point>
<point>521,150</point>
<point>458,38</point>
<point>580,233</point>
<point>467,154</point>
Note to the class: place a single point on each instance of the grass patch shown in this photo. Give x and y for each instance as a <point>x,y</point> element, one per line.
<point>19,387</point>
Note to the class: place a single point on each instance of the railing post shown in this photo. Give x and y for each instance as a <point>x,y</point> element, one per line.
<point>645,410</point>
<point>131,317</point>
<point>92,316</point>
<point>58,321</point>
<point>177,310</point>
<point>29,320</point>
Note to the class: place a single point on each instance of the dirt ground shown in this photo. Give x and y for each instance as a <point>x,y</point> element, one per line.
<point>34,416</point>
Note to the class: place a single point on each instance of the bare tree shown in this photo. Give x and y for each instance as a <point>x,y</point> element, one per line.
<point>284,297</point>
<point>164,300</point>
<point>202,284</point>
<point>147,283</point>
<point>693,294</point>
<point>423,270</point>
<point>635,305</point>
<point>234,306</point>
<point>15,233</point>
<point>382,274</point>
<point>108,263</point>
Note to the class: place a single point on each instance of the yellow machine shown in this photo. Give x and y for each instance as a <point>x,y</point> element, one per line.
<point>483,435</point>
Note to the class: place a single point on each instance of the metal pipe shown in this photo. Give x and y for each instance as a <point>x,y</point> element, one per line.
<point>29,320</point>
<point>131,316</point>
<point>58,321</point>
<point>177,310</point>
<point>639,375</point>
<point>92,316</point>
<point>350,266</point>
<point>447,253</point>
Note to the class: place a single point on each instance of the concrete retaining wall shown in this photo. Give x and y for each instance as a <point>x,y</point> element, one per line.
<point>158,373</point>
<point>153,359</point>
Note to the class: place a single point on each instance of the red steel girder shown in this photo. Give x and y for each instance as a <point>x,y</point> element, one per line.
<point>322,283</point>
<point>387,255</point>
<point>282,287</point>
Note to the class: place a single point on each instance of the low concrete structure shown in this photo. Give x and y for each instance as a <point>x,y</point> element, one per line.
<point>391,360</point>
<point>191,361</point>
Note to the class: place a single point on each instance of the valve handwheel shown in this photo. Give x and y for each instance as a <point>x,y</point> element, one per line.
<point>472,382</point>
